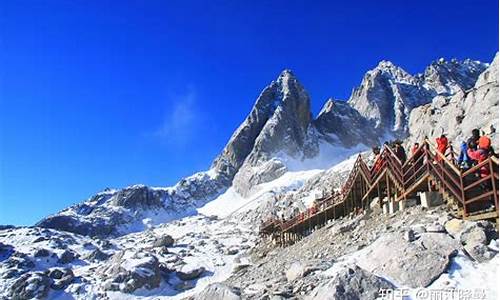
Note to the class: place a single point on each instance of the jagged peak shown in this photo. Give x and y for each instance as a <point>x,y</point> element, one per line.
<point>389,70</point>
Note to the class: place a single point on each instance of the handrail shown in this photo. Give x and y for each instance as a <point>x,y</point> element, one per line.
<point>442,156</point>
<point>429,161</point>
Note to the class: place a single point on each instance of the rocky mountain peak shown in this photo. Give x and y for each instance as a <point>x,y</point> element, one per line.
<point>448,77</point>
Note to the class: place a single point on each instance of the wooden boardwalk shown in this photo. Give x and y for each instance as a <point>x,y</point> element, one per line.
<point>469,195</point>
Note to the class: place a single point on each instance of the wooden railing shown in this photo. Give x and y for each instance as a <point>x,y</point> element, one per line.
<point>465,187</point>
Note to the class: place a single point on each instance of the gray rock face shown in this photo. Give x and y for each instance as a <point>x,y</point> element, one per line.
<point>188,272</point>
<point>218,291</point>
<point>114,213</point>
<point>415,264</point>
<point>164,241</point>
<point>456,115</point>
<point>339,122</point>
<point>131,271</point>
<point>30,286</point>
<point>242,142</point>
<point>388,93</point>
<point>351,282</point>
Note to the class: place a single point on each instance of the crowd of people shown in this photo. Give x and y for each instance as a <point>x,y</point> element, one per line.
<point>475,150</point>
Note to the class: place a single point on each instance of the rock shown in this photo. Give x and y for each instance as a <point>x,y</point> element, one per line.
<point>133,270</point>
<point>479,252</point>
<point>240,267</point>
<point>473,235</point>
<point>455,226</point>
<point>97,255</point>
<point>218,291</point>
<point>232,251</point>
<point>65,279</point>
<point>29,286</point>
<point>67,256</point>
<point>189,272</point>
<point>56,273</point>
<point>295,271</point>
<point>350,282</point>
<point>435,228</point>
<point>184,285</point>
<point>409,235</point>
<point>413,264</point>
<point>41,253</point>
<point>164,241</point>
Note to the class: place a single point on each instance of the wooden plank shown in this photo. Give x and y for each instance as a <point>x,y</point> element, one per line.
<point>483,216</point>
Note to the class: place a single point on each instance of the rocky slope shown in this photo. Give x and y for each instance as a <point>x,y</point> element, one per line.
<point>457,115</point>
<point>387,93</point>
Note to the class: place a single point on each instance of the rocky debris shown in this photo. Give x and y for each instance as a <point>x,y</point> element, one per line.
<point>296,270</point>
<point>97,255</point>
<point>5,251</point>
<point>67,256</point>
<point>232,250</point>
<point>388,93</point>
<point>456,115</point>
<point>19,261</point>
<point>128,271</point>
<point>475,236</point>
<point>409,235</point>
<point>423,261</point>
<point>30,286</point>
<point>41,253</point>
<point>164,241</point>
<point>189,272</point>
<point>61,278</point>
<point>350,282</point>
<point>437,228</point>
<point>218,291</point>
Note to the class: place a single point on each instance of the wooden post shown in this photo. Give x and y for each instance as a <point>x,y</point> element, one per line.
<point>493,185</point>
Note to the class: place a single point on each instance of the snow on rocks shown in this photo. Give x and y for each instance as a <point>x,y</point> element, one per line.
<point>29,286</point>
<point>218,291</point>
<point>350,282</point>
<point>128,271</point>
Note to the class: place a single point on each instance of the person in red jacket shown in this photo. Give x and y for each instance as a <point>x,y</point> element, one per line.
<point>481,154</point>
<point>442,145</point>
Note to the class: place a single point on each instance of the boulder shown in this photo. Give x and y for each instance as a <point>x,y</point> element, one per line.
<point>97,255</point>
<point>414,264</point>
<point>131,271</point>
<point>473,235</point>
<point>295,271</point>
<point>67,256</point>
<point>164,241</point>
<point>30,286</point>
<point>350,282</point>
<point>189,272</point>
<point>41,253</point>
<point>62,279</point>
<point>435,228</point>
<point>479,252</point>
<point>232,250</point>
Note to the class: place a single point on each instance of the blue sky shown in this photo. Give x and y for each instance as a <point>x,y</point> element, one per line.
<point>97,94</point>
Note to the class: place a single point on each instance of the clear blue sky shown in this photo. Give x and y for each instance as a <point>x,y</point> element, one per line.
<point>97,94</point>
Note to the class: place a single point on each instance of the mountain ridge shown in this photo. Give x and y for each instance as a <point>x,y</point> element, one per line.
<point>278,135</point>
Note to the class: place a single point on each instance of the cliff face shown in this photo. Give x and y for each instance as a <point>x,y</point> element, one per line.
<point>458,114</point>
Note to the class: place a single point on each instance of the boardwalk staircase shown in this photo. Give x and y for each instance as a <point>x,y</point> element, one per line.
<point>468,194</point>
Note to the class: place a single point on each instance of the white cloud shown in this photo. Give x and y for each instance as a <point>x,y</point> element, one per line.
<point>182,120</point>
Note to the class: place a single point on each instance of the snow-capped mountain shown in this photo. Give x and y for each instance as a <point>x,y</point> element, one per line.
<point>456,115</point>
<point>388,93</point>
<point>172,242</point>
<point>279,135</point>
